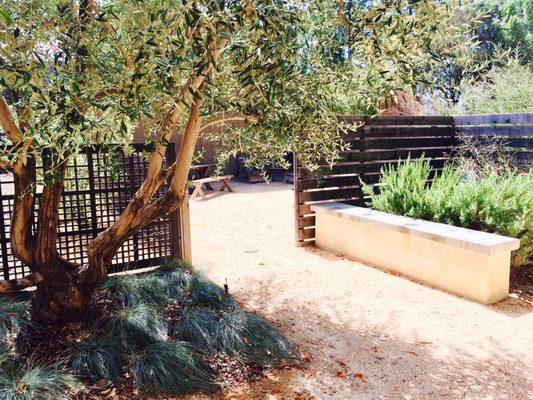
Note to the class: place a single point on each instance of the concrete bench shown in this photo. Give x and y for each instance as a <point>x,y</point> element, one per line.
<point>198,183</point>
<point>470,263</point>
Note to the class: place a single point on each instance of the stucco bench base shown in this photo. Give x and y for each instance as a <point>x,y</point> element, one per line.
<point>466,262</point>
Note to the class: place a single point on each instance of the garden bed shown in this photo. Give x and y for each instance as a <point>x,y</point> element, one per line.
<point>470,263</point>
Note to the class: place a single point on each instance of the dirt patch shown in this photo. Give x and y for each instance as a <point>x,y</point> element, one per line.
<point>363,333</point>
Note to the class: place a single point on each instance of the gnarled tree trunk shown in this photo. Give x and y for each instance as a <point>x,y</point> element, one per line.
<point>64,289</point>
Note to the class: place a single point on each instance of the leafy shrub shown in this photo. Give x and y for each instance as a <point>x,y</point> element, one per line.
<point>504,89</point>
<point>98,357</point>
<point>496,203</point>
<point>172,368</point>
<point>26,381</point>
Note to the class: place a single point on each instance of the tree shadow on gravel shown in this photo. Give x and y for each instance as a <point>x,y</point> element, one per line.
<point>367,362</point>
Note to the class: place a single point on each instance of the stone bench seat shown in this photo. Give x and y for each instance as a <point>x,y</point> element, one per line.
<point>471,263</point>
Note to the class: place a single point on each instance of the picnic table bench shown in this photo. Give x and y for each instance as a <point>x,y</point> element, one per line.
<point>198,183</point>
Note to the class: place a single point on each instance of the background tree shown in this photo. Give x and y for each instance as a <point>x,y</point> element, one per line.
<point>508,24</point>
<point>77,73</point>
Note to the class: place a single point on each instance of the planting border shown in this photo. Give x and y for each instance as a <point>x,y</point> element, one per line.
<point>378,141</point>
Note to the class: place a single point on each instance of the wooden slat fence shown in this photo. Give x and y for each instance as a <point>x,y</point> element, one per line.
<point>378,141</point>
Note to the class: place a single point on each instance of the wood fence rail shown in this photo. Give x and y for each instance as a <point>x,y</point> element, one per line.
<point>378,141</point>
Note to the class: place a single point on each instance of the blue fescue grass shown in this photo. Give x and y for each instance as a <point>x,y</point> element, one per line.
<point>198,327</point>
<point>135,339</point>
<point>253,339</point>
<point>236,333</point>
<point>98,357</point>
<point>265,345</point>
<point>14,315</point>
<point>172,368</point>
<point>148,288</point>
<point>30,381</point>
<point>139,325</point>
<point>205,293</point>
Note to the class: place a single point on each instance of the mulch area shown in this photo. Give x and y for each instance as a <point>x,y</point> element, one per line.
<point>521,284</point>
<point>51,344</point>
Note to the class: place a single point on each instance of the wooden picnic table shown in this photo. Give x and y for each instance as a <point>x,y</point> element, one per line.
<point>197,184</point>
<point>202,171</point>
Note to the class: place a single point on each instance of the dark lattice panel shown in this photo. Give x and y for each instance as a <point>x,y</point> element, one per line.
<point>94,196</point>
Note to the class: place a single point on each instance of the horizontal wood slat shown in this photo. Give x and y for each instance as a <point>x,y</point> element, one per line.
<point>368,131</point>
<point>398,120</point>
<point>306,221</point>
<point>402,143</point>
<point>304,234</point>
<point>507,130</point>
<point>522,118</point>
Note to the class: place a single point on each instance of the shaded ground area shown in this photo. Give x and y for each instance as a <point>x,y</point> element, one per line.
<point>363,333</point>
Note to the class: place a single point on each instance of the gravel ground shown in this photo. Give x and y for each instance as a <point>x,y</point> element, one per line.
<point>363,333</point>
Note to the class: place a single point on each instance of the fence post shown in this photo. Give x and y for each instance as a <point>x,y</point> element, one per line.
<point>296,200</point>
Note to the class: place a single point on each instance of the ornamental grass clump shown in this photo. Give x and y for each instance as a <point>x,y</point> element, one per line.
<point>172,368</point>
<point>98,357</point>
<point>252,339</point>
<point>28,381</point>
<point>205,293</point>
<point>162,346</point>
<point>199,327</point>
<point>146,288</point>
<point>138,326</point>
<point>496,202</point>
<point>14,315</point>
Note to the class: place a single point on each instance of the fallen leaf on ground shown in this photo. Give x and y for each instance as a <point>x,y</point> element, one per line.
<point>359,375</point>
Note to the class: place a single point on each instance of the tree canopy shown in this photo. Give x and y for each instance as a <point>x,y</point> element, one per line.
<point>272,72</point>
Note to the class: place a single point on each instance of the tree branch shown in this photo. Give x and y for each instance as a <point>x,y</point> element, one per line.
<point>9,125</point>
<point>232,118</point>
<point>14,285</point>
<point>24,176</point>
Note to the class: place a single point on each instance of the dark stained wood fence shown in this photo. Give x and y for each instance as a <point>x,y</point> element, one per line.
<point>94,197</point>
<point>378,141</point>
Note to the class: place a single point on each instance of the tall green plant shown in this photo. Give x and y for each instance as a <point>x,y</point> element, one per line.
<point>497,203</point>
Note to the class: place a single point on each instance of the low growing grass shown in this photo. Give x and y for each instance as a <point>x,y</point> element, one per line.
<point>499,203</point>
<point>252,339</point>
<point>138,326</point>
<point>151,288</point>
<point>204,293</point>
<point>99,357</point>
<point>163,329</point>
<point>172,368</point>
<point>14,315</point>
<point>29,381</point>
<point>198,327</point>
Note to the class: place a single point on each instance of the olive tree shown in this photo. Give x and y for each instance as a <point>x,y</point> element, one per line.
<point>77,73</point>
